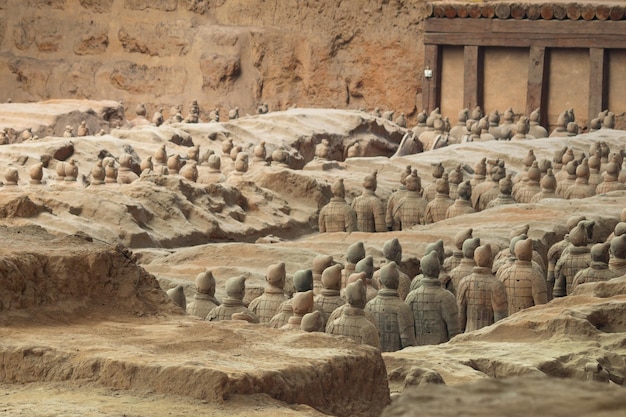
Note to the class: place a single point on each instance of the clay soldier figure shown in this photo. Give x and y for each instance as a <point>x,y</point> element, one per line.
<point>394,199</point>
<point>437,209</point>
<point>494,129</point>
<point>505,187</point>
<point>617,263</point>
<point>480,172</point>
<point>392,250</point>
<point>125,175</point>
<point>467,264</point>
<point>411,208</point>
<point>302,282</point>
<point>352,321</point>
<point>556,250</point>
<point>576,258</point>
<point>301,304</point>
<point>177,295</point>
<point>82,130</point>
<point>508,127</point>
<point>337,215</point>
<point>567,157</point>
<point>531,187</point>
<point>266,305</point>
<point>366,266</point>
<point>598,269</point>
<point>369,209</point>
<point>157,117</point>
<point>528,162</point>
<point>444,278</point>
<point>455,177</point>
<point>611,177</point>
<point>204,300</point>
<point>522,127</point>
<point>435,313</point>
<point>481,297</point>
<point>561,125</point>
<point>421,124</point>
<point>564,184</point>
<point>536,129</point>
<point>354,254</point>
<point>320,263</point>
<point>394,317</point>
<point>98,173</point>
<point>488,190</point>
<point>581,188</point>
<point>525,287</point>
<point>233,303</point>
<point>431,189</point>
<point>594,168</point>
<point>462,205</point>
<point>453,261</point>
<point>548,188</point>
<point>460,129</point>
<point>329,298</point>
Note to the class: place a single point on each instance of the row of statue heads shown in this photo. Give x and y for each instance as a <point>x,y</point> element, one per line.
<point>405,301</point>
<point>435,131</point>
<point>195,166</point>
<point>193,115</point>
<point>452,193</point>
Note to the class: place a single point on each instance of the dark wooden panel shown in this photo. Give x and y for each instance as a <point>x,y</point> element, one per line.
<point>598,81</point>
<point>472,74</point>
<point>536,92</point>
<point>431,88</point>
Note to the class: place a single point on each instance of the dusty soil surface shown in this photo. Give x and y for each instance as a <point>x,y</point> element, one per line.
<point>83,319</point>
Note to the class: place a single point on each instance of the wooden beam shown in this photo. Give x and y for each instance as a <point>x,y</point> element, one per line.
<point>598,82</point>
<point>537,91</point>
<point>526,33</point>
<point>472,77</point>
<point>525,40</point>
<point>431,87</point>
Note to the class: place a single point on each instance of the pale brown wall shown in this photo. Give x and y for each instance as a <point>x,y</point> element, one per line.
<point>223,53</point>
<point>452,82</point>
<point>568,84</point>
<point>505,79</point>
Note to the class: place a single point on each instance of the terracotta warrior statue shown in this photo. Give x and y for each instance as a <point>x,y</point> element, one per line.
<point>394,317</point>
<point>369,208</point>
<point>204,300</point>
<point>302,282</point>
<point>576,258</point>
<point>525,287</point>
<point>394,199</point>
<point>266,305</point>
<point>463,204</point>
<point>352,321</point>
<point>337,215</point>
<point>598,269</point>
<point>467,264</point>
<point>411,208</point>
<point>451,262</point>
<point>481,297</point>
<point>329,298</point>
<point>435,313</point>
<point>233,303</point>
<point>437,209</point>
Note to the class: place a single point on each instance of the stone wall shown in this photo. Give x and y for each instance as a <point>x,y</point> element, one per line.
<point>224,53</point>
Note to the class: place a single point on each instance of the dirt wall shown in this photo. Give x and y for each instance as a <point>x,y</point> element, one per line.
<point>224,53</point>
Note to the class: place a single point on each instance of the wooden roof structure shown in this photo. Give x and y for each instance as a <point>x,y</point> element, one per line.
<point>539,26</point>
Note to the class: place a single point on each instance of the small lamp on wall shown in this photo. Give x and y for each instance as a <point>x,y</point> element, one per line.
<point>428,73</point>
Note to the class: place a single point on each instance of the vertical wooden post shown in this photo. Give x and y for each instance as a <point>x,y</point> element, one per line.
<point>472,77</point>
<point>536,91</point>
<point>598,82</point>
<point>431,87</point>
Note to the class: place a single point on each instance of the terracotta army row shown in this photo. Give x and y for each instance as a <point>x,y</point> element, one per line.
<point>435,131</point>
<point>450,194</point>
